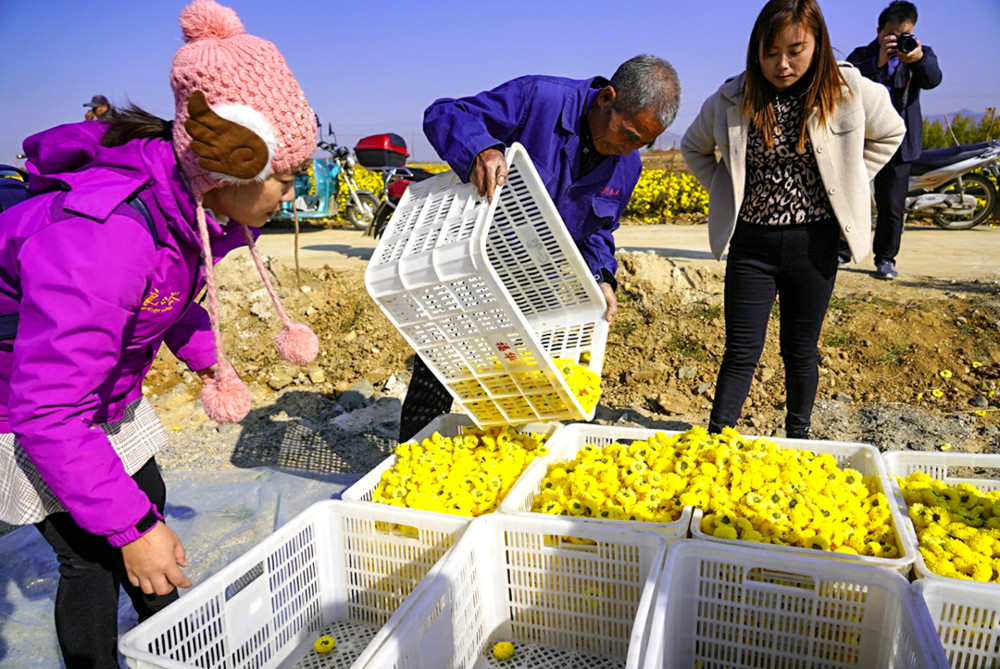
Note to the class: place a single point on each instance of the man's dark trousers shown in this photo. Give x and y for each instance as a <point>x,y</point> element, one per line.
<point>890,199</point>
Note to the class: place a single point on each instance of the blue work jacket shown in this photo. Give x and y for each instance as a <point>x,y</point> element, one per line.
<point>544,114</point>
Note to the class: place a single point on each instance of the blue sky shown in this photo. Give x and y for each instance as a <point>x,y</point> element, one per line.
<point>370,67</point>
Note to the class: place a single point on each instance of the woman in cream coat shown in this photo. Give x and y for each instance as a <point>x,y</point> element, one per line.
<point>800,137</point>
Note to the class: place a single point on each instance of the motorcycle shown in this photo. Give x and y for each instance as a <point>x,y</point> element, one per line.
<point>327,175</point>
<point>386,153</point>
<point>953,185</point>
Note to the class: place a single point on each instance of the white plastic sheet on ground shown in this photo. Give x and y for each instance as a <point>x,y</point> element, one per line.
<point>219,515</point>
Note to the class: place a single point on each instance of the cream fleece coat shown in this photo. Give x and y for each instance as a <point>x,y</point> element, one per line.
<point>857,140</point>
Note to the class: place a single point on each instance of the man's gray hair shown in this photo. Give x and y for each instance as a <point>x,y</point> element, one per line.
<point>647,83</point>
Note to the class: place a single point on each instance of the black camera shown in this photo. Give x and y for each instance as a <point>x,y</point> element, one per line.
<point>906,43</point>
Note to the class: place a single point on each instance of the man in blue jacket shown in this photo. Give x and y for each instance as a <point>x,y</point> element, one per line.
<point>898,60</point>
<point>583,137</point>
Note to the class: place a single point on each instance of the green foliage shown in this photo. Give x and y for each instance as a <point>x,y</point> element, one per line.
<point>893,354</point>
<point>840,340</point>
<point>688,346</point>
<point>706,312</point>
<point>965,129</point>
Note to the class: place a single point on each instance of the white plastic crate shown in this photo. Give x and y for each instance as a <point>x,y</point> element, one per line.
<point>564,446</point>
<point>522,580</point>
<point>722,605</point>
<point>867,461</point>
<point>489,293</point>
<point>967,618</point>
<point>448,425</point>
<point>950,468</point>
<point>337,568</point>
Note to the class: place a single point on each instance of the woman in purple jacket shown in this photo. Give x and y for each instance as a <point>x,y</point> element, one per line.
<point>101,266</point>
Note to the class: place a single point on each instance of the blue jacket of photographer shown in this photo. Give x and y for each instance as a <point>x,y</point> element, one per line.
<point>904,84</point>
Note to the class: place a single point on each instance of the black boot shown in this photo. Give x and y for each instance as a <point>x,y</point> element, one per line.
<point>799,433</point>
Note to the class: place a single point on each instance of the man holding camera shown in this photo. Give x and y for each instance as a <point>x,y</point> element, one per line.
<point>898,60</point>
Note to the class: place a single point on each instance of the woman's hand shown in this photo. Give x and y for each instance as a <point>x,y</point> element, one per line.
<point>207,375</point>
<point>609,295</point>
<point>153,561</point>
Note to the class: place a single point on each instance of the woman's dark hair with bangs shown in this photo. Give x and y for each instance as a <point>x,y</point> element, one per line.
<point>824,80</point>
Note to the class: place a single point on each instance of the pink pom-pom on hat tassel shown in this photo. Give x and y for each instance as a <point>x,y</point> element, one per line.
<point>296,343</point>
<point>226,399</point>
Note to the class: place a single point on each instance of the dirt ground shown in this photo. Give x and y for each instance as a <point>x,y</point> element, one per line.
<point>903,365</point>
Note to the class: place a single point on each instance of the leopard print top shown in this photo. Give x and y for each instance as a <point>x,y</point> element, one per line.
<point>783,186</point>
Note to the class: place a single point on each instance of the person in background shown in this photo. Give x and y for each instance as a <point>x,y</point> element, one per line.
<point>96,108</point>
<point>900,62</point>
<point>800,136</point>
<point>101,265</point>
<point>583,136</point>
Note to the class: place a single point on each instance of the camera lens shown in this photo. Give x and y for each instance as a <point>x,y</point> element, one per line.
<point>906,43</point>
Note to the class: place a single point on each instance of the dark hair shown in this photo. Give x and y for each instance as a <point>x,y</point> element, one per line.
<point>646,82</point>
<point>898,11</point>
<point>823,80</point>
<point>130,123</point>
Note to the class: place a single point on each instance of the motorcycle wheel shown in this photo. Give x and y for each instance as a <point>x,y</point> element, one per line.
<point>986,197</point>
<point>361,219</point>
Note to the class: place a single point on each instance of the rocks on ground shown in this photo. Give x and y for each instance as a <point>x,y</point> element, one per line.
<point>911,364</point>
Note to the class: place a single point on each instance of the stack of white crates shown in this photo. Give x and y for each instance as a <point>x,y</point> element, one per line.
<point>489,293</point>
<point>728,605</point>
<point>337,569</point>
<point>966,614</point>
<point>566,594</point>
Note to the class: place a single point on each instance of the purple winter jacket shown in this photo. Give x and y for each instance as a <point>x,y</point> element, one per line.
<point>96,289</point>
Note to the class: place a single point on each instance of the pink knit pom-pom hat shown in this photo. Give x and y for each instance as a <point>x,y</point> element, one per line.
<point>241,116</point>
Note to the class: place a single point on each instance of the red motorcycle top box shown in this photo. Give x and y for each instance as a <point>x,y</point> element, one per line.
<point>385,150</point>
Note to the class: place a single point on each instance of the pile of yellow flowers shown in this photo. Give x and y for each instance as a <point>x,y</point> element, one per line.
<point>585,383</point>
<point>749,489</point>
<point>468,474</point>
<point>661,195</point>
<point>958,527</point>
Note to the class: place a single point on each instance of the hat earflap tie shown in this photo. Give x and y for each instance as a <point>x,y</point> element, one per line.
<point>296,343</point>
<point>225,399</point>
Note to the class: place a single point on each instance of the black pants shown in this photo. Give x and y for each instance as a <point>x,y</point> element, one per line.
<point>91,571</point>
<point>799,265</point>
<point>891,184</point>
<point>426,399</point>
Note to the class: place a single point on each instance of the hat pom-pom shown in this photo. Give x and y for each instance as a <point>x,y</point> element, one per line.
<point>226,399</point>
<point>206,19</point>
<point>297,344</point>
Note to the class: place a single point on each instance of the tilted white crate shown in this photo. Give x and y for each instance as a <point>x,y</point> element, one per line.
<point>528,581</point>
<point>721,605</point>
<point>338,568</point>
<point>489,293</point>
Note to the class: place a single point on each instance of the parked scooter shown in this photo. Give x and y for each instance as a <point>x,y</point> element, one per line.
<point>327,175</point>
<point>952,186</point>
<point>386,153</point>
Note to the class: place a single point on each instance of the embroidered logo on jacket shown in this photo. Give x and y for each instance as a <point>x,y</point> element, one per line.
<point>156,303</point>
<point>608,191</point>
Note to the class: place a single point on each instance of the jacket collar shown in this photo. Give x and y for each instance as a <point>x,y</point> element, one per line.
<point>575,103</point>
<point>732,88</point>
